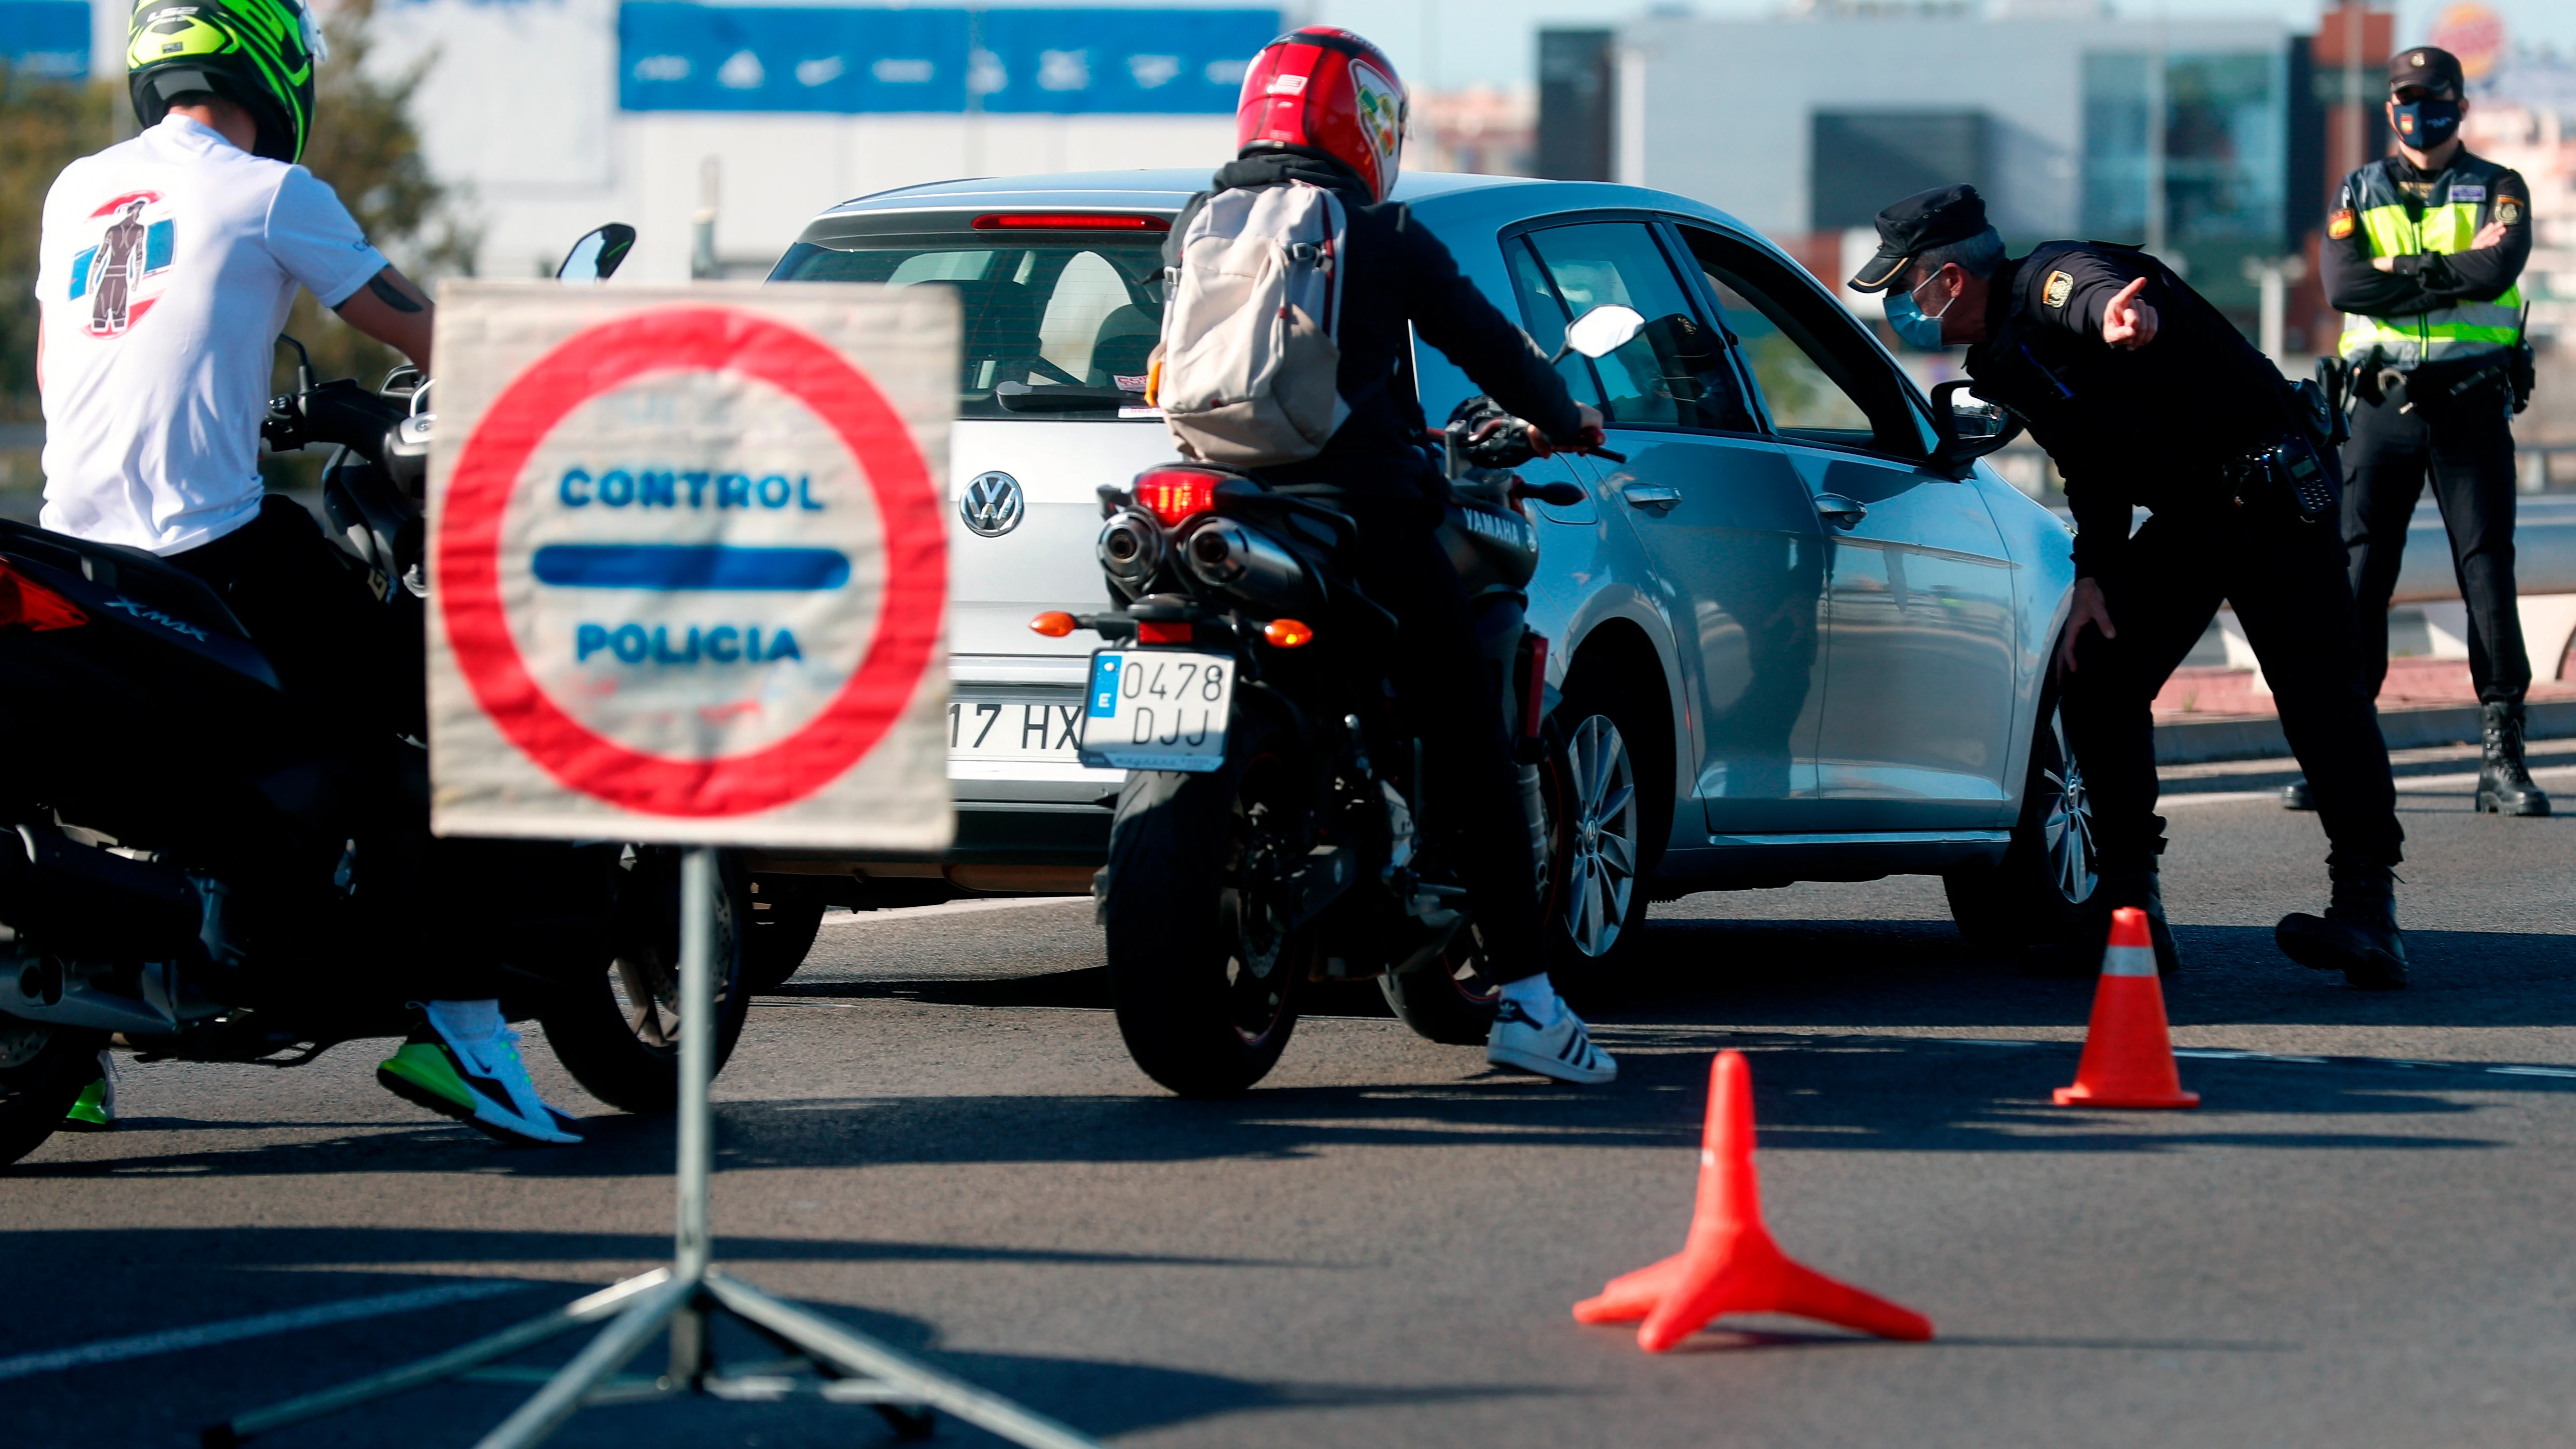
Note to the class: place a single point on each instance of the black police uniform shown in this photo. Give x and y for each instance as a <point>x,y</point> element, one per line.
<point>2434,392</point>
<point>2169,427</point>
<point>2158,427</point>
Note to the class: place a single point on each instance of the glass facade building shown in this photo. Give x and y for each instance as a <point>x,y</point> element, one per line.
<point>2225,163</point>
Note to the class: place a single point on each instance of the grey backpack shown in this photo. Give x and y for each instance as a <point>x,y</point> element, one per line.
<point>1250,347</point>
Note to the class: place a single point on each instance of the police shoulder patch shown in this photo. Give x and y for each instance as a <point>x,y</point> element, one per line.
<point>2509,211</point>
<point>2060,286</point>
<point>2339,223</point>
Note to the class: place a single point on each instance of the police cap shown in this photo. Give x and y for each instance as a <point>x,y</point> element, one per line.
<point>1917,224</point>
<point>2427,66</point>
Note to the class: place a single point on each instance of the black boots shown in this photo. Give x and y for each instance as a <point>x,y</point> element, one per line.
<point>2504,786</point>
<point>2356,936</point>
<point>2082,955</point>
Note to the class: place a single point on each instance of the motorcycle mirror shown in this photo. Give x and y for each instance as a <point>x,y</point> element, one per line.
<point>1603,330</point>
<point>303,363</point>
<point>595,257</point>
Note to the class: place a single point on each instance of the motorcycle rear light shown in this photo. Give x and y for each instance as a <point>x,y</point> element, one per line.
<point>1175,494</point>
<point>1149,631</point>
<point>1068,221</point>
<point>1055,623</point>
<point>26,604</point>
<point>1287,633</point>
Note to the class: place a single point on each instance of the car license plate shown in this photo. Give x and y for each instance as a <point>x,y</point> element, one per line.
<point>1157,709</point>
<point>985,728</point>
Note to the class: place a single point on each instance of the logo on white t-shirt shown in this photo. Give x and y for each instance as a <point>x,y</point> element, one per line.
<point>127,265</point>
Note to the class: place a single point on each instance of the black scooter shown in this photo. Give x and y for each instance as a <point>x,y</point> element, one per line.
<point>190,864</point>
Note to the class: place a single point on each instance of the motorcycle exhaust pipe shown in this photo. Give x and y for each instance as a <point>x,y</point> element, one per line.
<point>1223,554</point>
<point>86,902</point>
<point>1131,547</point>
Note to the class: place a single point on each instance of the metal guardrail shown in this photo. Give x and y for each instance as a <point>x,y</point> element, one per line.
<point>2544,546</point>
<point>2544,549</point>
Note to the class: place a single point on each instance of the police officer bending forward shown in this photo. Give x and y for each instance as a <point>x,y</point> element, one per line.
<point>2144,394</point>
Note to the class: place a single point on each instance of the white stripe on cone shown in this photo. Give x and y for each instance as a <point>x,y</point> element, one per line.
<point>2129,961</point>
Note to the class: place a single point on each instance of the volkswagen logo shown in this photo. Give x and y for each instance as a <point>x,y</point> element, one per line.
<point>991,504</point>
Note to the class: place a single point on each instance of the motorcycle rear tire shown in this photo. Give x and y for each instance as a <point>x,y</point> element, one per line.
<point>1194,1016</point>
<point>48,1076</point>
<point>630,1058</point>
<point>787,913</point>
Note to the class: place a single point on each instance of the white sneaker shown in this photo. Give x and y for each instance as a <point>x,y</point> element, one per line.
<point>1562,1049</point>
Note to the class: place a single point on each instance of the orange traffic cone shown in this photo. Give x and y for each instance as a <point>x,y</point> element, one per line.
<point>1730,1264</point>
<point>2128,1058</point>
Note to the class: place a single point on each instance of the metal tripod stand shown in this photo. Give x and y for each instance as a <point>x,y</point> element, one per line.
<point>849,1368</point>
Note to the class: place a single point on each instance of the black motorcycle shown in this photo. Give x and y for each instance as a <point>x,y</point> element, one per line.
<point>189,851</point>
<point>1272,831</point>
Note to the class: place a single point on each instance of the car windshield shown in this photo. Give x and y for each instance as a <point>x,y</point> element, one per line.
<point>1054,328</point>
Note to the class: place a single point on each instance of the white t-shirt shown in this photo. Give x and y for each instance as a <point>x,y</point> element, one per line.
<point>167,267</point>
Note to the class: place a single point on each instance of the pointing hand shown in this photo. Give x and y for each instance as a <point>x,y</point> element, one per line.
<point>2128,323</point>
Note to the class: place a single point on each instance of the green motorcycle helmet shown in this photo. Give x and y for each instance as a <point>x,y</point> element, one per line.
<point>258,54</point>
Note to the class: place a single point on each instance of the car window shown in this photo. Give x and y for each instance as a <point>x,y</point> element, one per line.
<point>1675,373</point>
<point>1053,328</point>
<point>1544,317</point>
<point>1819,378</point>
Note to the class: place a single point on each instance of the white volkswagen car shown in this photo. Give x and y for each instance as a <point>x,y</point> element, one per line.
<point>1815,651</point>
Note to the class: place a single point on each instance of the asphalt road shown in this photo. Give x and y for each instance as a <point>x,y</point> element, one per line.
<point>935,1135</point>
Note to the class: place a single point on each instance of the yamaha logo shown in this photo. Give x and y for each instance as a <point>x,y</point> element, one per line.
<point>991,505</point>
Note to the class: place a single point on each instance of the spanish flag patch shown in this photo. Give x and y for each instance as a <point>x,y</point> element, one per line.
<point>2339,223</point>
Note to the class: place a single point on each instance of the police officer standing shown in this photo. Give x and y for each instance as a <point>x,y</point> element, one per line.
<point>2145,395</point>
<point>2421,255</point>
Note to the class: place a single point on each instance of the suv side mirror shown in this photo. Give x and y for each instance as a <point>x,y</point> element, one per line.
<point>596,256</point>
<point>1970,427</point>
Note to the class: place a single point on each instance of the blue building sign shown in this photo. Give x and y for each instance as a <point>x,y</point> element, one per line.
<point>45,37</point>
<point>675,56</point>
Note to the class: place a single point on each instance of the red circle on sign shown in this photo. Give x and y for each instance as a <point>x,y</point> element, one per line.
<point>696,339</point>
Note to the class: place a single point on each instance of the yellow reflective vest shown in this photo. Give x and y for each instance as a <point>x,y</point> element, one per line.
<point>2395,223</point>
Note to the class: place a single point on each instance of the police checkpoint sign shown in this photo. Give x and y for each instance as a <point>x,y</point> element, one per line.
<point>688,569</point>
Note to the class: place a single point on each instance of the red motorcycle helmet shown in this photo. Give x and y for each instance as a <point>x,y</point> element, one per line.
<point>1330,92</point>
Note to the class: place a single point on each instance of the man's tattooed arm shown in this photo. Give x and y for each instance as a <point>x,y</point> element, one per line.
<point>391,295</point>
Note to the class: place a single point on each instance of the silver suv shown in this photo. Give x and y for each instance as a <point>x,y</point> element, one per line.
<point>1791,641</point>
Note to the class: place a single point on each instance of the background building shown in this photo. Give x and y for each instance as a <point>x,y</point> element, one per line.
<point>2197,138</point>
<point>548,117</point>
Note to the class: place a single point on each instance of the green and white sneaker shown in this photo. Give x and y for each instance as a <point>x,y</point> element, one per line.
<point>96,1109</point>
<point>462,1062</point>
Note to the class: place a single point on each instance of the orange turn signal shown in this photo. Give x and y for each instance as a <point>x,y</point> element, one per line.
<point>1287,633</point>
<point>1055,623</point>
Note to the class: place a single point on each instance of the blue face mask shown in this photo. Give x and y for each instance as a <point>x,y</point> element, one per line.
<point>1915,327</point>
<point>2426,124</point>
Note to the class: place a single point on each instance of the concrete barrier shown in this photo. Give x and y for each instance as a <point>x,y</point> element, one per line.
<point>2259,737</point>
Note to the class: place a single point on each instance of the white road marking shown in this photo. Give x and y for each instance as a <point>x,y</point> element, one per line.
<point>946,908</point>
<point>293,1320</point>
<point>2406,784</point>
